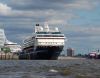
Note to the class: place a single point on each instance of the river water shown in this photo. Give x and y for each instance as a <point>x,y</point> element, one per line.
<point>69,68</point>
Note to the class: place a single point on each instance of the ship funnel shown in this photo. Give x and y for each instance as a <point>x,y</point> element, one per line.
<point>38,28</point>
<point>37,24</point>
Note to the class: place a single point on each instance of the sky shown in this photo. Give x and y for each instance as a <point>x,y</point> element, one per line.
<point>79,20</point>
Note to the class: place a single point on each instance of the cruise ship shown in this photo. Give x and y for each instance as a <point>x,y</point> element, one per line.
<point>44,44</point>
<point>4,42</point>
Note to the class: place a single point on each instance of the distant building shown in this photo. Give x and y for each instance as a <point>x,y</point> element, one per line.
<point>70,52</point>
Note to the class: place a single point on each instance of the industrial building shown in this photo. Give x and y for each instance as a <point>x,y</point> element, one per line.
<point>70,52</point>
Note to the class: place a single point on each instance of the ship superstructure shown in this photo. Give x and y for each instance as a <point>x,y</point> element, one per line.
<point>45,43</point>
<point>14,47</point>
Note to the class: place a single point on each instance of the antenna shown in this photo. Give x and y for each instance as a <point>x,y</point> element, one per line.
<point>46,26</point>
<point>1,26</point>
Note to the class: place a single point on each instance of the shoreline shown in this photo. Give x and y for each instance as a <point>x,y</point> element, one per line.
<point>67,57</point>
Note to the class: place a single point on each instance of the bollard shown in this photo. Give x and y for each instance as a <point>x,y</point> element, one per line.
<point>5,56</point>
<point>9,56</point>
<point>1,56</point>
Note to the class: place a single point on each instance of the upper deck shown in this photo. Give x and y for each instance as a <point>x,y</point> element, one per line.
<point>45,36</point>
<point>46,31</point>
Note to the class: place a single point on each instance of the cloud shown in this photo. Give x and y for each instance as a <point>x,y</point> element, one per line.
<point>92,30</point>
<point>52,4</point>
<point>20,16</point>
<point>37,4</point>
<point>4,9</point>
<point>52,10</point>
<point>82,4</point>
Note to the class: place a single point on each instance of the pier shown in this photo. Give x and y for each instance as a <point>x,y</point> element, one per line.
<point>8,56</point>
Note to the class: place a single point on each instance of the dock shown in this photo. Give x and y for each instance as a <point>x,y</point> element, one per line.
<point>8,56</point>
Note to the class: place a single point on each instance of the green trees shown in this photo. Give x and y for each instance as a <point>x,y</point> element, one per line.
<point>5,49</point>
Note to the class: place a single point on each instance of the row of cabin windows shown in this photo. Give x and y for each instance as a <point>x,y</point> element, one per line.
<point>48,32</point>
<point>27,41</point>
<point>50,35</point>
<point>50,42</point>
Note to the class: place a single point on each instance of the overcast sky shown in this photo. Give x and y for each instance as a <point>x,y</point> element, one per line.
<point>79,20</point>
